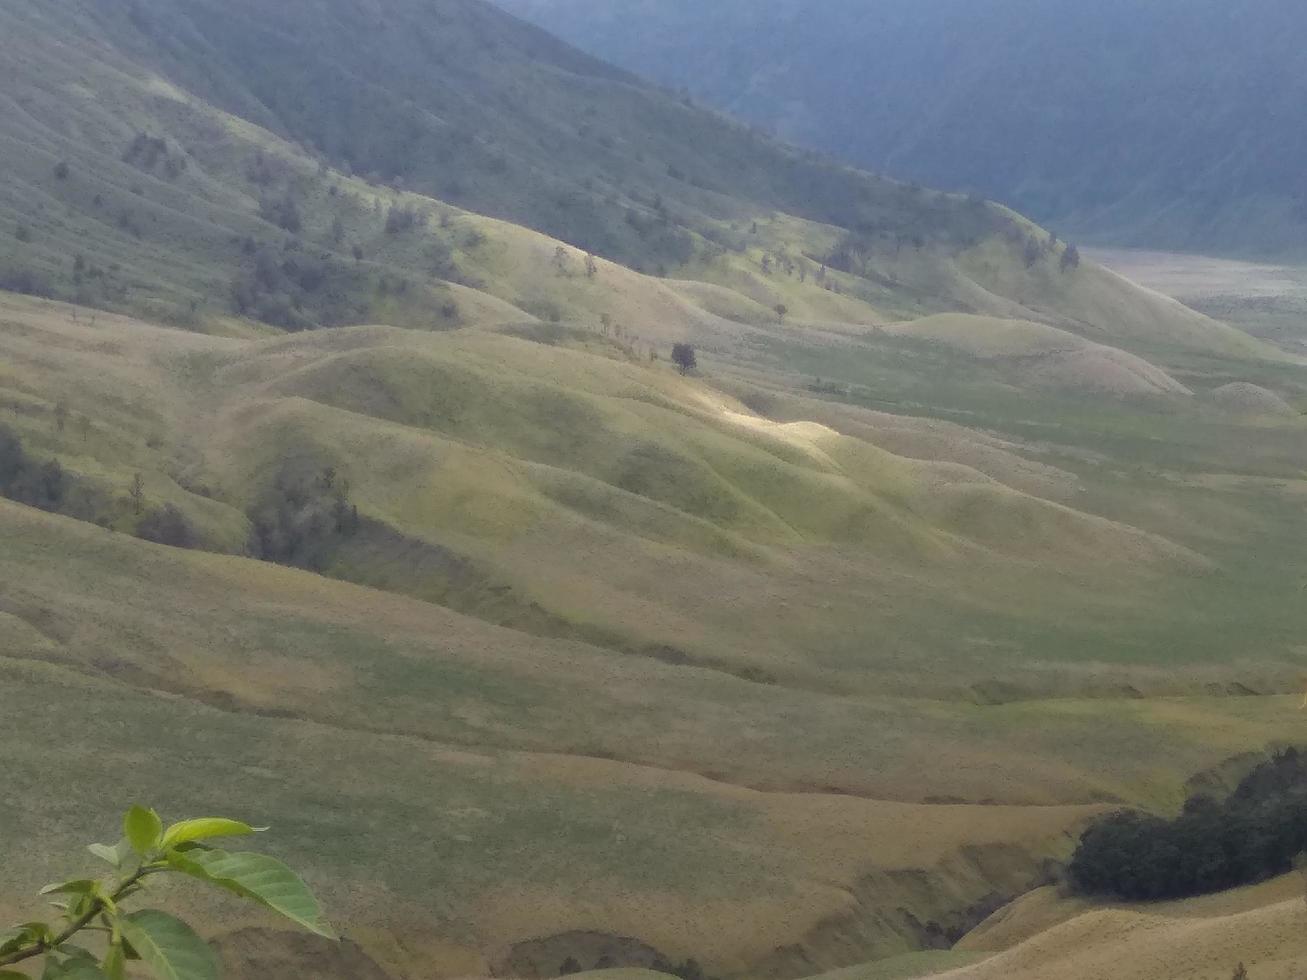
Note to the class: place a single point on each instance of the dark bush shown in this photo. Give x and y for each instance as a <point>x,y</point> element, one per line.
<point>1211,846</point>
<point>167,525</point>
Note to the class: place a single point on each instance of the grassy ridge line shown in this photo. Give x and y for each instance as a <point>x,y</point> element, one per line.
<point>466,466</point>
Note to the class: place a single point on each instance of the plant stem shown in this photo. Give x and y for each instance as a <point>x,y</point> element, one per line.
<point>74,927</point>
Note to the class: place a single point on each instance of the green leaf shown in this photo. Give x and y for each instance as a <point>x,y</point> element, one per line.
<point>25,935</point>
<point>79,886</point>
<point>13,975</point>
<point>75,968</point>
<point>117,855</point>
<point>205,828</point>
<point>143,828</point>
<point>258,877</point>
<point>169,946</point>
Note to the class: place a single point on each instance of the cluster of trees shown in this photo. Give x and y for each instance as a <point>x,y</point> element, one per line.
<point>46,485</point>
<point>1211,846</point>
<point>302,519</point>
<point>1034,249</point>
<point>296,289</point>
<point>28,481</point>
<point>148,153</point>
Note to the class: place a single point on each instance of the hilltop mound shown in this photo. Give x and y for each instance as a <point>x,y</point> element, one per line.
<point>1043,356</point>
<point>1244,398</point>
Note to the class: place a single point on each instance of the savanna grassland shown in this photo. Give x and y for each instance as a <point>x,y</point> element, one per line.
<point>522,639</point>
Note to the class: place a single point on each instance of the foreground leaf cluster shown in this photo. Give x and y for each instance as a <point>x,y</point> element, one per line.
<point>169,947</point>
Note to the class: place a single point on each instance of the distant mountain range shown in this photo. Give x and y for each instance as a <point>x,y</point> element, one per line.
<point>1165,123</point>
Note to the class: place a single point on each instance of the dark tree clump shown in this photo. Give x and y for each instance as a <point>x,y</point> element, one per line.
<point>302,519</point>
<point>683,356</point>
<point>167,525</point>
<point>38,484</point>
<point>1211,846</point>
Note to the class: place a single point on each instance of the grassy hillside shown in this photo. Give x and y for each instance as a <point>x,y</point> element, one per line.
<point>1043,935</point>
<point>1161,123</point>
<point>353,470</point>
<point>723,621</point>
<point>211,165</point>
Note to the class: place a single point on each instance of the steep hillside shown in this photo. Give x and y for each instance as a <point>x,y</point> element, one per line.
<point>192,161</point>
<point>1167,123</point>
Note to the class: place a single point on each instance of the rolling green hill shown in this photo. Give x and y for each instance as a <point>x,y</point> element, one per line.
<point>339,443</point>
<point>1159,123</point>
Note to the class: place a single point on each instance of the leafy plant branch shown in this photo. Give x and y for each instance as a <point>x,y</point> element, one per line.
<point>168,946</point>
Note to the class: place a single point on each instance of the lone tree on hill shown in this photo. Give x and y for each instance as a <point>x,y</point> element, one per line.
<point>683,357</point>
<point>1070,258</point>
<point>781,310</point>
<point>137,491</point>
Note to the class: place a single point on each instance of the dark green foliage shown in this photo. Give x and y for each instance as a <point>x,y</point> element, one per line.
<point>27,281</point>
<point>167,525</point>
<point>1211,846</point>
<point>26,480</point>
<point>404,219</point>
<point>1032,253</point>
<point>282,211</point>
<point>297,289</point>
<point>43,484</point>
<point>1070,258</point>
<point>686,970</point>
<point>61,170</point>
<point>569,966</point>
<point>302,518</point>
<point>684,357</point>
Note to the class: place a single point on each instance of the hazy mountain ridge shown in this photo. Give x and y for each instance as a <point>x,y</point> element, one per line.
<point>1165,123</point>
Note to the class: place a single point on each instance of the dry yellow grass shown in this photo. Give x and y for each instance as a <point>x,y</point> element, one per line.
<point>1199,939</point>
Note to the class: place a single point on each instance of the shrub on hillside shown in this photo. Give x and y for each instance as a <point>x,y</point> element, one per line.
<point>1211,846</point>
<point>167,525</point>
<point>29,481</point>
<point>684,357</point>
<point>302,518</point>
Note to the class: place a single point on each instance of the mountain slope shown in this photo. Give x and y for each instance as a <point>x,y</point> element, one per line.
<point>1165,123</point>
<point>190,161</point>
